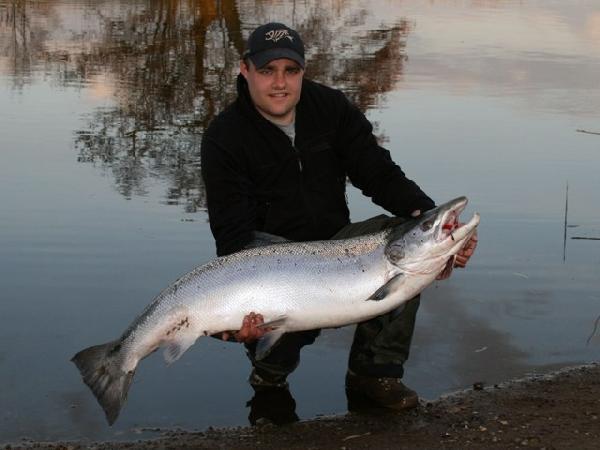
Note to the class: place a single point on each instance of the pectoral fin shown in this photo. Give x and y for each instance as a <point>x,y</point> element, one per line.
<point>388,288</point>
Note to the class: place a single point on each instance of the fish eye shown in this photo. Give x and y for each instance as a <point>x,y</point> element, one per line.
<point>427,225</point>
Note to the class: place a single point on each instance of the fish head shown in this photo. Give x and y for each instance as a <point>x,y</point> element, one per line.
<point>424,245</point>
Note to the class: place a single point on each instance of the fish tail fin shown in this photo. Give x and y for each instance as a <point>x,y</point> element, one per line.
<point>101,371</point>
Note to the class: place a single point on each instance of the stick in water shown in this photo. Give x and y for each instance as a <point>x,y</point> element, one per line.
<point>565,228</point>
<point>587,132</point>
<point>594,331</point>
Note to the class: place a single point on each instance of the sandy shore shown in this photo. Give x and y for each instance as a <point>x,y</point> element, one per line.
<point>560,410</point>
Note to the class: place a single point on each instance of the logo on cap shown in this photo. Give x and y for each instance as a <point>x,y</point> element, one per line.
<point>277,35</point>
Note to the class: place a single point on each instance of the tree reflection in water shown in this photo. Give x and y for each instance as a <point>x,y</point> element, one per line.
<point>172,67</point>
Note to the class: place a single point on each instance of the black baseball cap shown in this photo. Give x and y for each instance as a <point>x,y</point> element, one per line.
<point>274,41</point>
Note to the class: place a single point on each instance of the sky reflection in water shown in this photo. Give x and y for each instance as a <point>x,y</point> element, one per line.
<point>102,108</point>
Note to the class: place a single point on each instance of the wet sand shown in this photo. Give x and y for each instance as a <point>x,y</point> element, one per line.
<point>559,410</point>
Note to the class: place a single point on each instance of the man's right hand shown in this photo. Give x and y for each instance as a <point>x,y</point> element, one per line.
<point>250,330</point>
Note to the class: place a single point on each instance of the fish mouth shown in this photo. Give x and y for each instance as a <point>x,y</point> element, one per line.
<point>449,220</point>
<point>450,227</point>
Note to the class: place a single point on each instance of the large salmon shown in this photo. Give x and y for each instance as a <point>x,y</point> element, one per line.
<point>294,285</point>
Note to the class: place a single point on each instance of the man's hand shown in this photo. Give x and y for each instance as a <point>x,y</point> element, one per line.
<point>465,253</point>
<point>461,258</point>
<point>250,330</point>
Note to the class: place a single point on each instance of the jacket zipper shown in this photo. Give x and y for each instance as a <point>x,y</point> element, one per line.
<point>298,157</point>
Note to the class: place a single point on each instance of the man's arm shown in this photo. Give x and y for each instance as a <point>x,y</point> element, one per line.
<point>371,169</point>
<point>232,213</point>
<point>231,210</point>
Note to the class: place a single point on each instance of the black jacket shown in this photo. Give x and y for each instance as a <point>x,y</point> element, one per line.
<point>256,180</point>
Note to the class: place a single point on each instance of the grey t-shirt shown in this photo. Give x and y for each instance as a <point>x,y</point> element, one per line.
<point>289,130</point>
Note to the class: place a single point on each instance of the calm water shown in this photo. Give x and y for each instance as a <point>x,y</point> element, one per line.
<point>102,107</point>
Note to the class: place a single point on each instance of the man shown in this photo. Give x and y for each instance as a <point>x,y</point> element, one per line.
<point>277,161</point>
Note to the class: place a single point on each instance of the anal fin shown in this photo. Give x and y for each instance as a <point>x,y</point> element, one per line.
<point>274,323</point>
<point>266,343</point>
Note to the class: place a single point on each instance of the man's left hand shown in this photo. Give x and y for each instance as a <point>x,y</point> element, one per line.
<point>461,258</point>
<point>465,253</point>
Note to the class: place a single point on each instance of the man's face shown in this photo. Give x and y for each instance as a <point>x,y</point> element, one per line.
<point>275,88</point>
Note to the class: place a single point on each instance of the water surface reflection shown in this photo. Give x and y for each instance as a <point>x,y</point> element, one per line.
<point>169,67</point>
